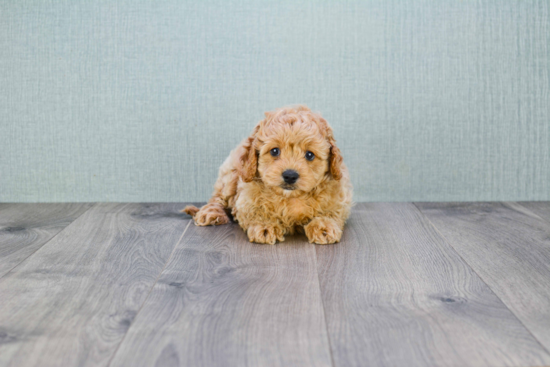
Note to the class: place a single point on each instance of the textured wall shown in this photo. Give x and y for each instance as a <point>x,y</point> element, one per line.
<point>142,100</point>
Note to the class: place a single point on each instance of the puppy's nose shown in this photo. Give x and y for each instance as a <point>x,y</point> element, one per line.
<point>290,176</point>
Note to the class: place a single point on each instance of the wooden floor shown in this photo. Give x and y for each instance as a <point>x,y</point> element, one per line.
<point>424,284</point>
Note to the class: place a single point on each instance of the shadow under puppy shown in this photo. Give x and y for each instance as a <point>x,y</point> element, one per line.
<point>288,176</point>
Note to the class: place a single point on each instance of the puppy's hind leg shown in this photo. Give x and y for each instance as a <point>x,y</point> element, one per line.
<point>211,214</point>
<point>191,210</point>
<point>214,213</point>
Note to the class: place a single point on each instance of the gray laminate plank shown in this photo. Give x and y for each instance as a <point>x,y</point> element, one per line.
<point>396,294</point>
<point>509,247</point>
<point>222,301</point>
<point>540,208</point>
<point>73,300</point>
<point>26,227</point>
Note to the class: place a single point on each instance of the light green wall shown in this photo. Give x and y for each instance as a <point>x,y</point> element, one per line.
<point>142,100</point>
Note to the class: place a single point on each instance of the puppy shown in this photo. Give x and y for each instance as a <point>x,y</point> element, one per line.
<point>287,177</point>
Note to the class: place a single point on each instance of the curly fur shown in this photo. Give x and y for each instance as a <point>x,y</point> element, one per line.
<point>251,187</point>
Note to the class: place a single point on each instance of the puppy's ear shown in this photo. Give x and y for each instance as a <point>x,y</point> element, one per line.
<point>335,160</point>
<point>249,157</point>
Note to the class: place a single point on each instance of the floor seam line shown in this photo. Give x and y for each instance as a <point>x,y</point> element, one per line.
<point>51,239</point>
<point>530,211</point>
<point>323,305</point>
<point>481,278</point>
<point>149,293</point>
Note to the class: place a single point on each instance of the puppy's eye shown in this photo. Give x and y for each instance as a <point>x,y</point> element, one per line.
<point>310,156</point>
<point>275,152</point>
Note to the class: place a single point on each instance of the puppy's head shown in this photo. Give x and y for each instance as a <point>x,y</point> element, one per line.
<point>292,149</point>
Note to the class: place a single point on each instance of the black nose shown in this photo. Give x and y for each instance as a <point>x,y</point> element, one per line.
<point>290,176</point>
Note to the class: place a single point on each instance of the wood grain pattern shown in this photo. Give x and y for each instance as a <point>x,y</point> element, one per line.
<point>73,300</point>
<point>509,247</point>
<point>540,208</point>
<point>396,294</point>
<point>222,301</point>
<point>26,227</point>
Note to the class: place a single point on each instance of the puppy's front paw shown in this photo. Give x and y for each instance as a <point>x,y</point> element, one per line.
<point>210,214</point>
<point>323,231</point>
<point>261,233</point>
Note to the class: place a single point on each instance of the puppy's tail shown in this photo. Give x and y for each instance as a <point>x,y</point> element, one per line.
<point>191,210</point>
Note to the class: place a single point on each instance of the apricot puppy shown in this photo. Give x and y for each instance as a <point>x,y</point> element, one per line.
<point>287,176</point>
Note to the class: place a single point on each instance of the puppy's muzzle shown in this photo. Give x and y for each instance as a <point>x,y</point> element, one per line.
<point>290,176</point>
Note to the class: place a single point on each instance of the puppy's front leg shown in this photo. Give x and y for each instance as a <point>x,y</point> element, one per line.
<point>323,231</point>
<point>265,233</point>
